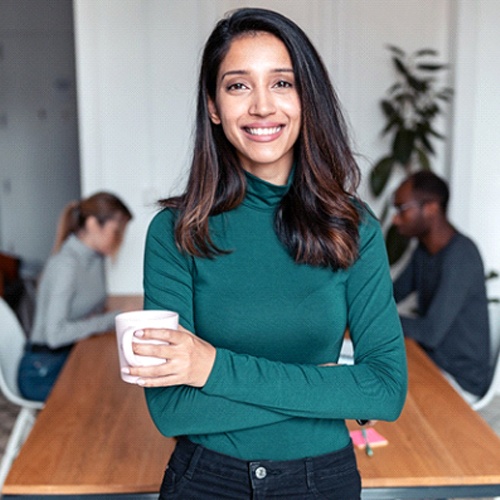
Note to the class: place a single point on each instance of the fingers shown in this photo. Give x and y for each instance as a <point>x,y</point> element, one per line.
<point>159,349</point>
<point>188,359</point>
<point>164,334</point>
<point>163,375</point>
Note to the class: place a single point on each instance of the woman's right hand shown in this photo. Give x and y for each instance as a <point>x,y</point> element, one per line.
<point>188,359</point>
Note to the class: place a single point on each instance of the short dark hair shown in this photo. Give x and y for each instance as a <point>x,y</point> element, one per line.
<point>432,187</point>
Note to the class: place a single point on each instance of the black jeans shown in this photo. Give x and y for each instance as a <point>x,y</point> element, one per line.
<point>195,473</point>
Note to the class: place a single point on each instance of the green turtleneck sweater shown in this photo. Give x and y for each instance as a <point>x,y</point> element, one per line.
<point>273,323</point>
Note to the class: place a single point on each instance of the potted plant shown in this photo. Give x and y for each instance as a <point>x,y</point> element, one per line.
<point>410,108</point>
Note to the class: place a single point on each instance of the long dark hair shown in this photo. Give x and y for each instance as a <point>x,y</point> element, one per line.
<point>317,220</point>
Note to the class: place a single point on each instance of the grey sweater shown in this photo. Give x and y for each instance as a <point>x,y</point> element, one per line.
<point>452,323</point>
<point>71,296</point>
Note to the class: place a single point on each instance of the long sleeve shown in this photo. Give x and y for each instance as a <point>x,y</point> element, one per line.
<point>71,297</point>
<point>460,273</point>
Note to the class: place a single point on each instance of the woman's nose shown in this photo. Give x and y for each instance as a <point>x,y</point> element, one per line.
<point>262,103</point>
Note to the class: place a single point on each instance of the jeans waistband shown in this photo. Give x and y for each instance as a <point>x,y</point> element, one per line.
<point>45,349</point>
<point>336,460</point>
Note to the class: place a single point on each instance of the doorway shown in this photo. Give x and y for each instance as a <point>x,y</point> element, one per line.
<point>39,160</point>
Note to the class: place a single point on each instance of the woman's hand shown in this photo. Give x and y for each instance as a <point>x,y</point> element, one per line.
<point>189,359</point>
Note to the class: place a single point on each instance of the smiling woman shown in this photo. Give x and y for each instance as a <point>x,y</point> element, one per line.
<point>267,257</point>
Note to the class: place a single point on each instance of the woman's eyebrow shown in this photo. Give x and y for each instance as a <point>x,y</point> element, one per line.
<point>245,72</point>
<point>234,72</point>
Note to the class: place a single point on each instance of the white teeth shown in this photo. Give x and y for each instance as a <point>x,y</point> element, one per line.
<point>264,131</point>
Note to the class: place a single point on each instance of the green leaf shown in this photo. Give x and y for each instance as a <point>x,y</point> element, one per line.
<point>387,108</point>
<point>435,133</point>
<point>446,94</point>
<point>395,244</point>
<point>380,175</point>
<point>426,52</point>
<point>392,123</point>
<point>491,275</point>
<point>405,96</point>
<point>393,88</point>
<point>418,85</point>
<point>400,67</point>
<point>396,50</point>
<point>403,145</point>
<point>444,97</point>
<point>423,159</point>
<point>426,143</point>
<point>431,67</point>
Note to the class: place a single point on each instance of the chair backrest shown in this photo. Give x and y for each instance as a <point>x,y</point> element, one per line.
<point>494,313</point>
<point>12,340</point>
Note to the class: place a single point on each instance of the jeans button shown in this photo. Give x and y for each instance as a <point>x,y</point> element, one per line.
<point>260,472</point>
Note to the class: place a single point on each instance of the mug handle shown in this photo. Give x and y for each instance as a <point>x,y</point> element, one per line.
<point>128,352</point>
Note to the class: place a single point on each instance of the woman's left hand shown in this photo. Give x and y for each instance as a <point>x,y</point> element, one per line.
<point>189,359</point>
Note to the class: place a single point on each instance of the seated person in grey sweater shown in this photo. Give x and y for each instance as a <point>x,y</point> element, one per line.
<point>446,272</point>
<point>72,293</point>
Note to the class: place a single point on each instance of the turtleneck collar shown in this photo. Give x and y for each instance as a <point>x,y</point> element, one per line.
<point>76,245</point>
<point>263,195</point>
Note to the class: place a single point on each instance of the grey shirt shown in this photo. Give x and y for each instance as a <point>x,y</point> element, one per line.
<point>71,296</point>
<point>452,323</point>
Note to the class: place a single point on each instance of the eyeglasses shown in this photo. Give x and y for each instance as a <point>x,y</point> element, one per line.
<point>405,206</point>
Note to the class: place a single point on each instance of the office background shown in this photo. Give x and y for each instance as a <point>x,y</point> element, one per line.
<point>137,67</point>
<point>125,121</point>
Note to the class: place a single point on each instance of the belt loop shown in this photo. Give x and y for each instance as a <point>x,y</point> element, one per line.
<point>309,472</point>
<point>194,461</point>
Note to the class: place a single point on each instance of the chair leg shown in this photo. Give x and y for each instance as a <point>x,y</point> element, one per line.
<point>22,427</point>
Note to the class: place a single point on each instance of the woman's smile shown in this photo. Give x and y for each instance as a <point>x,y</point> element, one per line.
<point>264,133</point>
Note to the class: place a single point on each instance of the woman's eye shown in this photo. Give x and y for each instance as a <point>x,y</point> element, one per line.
<point>282,84</point>
<point>236,86</point>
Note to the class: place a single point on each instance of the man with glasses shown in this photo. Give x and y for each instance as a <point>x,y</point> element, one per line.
<point>446,271</point>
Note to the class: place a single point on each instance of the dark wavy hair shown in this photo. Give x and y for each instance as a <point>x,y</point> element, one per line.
<point>317,220</point>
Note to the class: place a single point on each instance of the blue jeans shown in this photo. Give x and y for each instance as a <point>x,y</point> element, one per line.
<point>196,473</point>
<point>39,369</point>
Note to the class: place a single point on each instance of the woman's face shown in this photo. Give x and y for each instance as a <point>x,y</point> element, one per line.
<point>258,106</point>
<point>106,238</point>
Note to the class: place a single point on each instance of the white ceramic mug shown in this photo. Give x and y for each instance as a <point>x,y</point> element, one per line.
<point>127,324</point>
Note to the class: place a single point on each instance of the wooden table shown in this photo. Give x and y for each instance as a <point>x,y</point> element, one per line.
<point>125,302</point>
<point>94,436</point>
<point>438,448</point>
